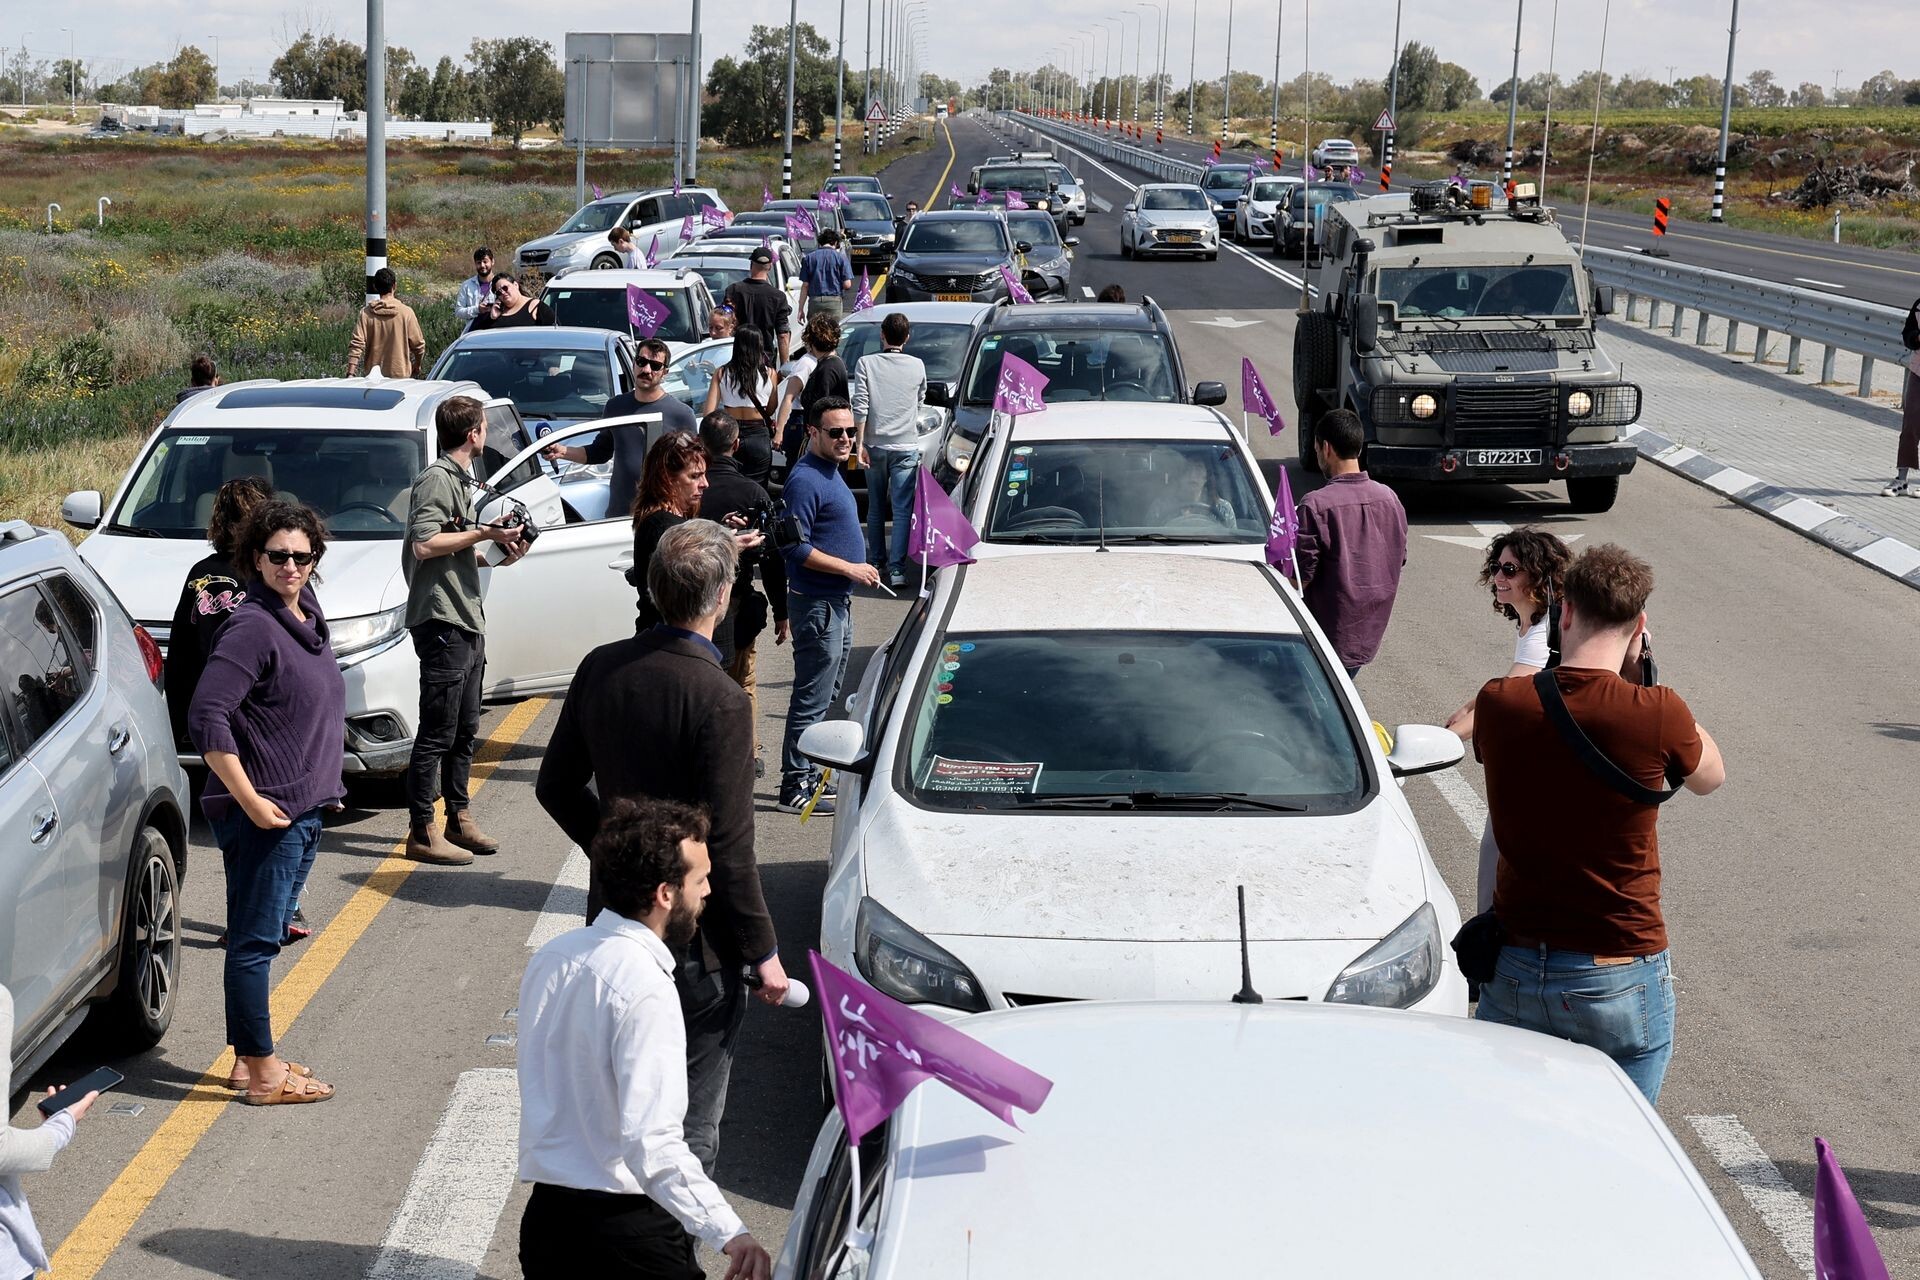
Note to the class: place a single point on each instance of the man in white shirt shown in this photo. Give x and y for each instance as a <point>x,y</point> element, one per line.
<point>603,1072</point>
<point>889,390</point>
<point>476,291</point>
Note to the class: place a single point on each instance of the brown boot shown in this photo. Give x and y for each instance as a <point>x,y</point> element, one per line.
<point>461,830</point>
<point>424,844</point>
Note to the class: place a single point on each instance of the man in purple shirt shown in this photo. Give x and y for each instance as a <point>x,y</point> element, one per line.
<point>1353,542</point>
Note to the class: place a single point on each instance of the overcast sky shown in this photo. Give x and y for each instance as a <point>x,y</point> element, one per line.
<point>1797,39</point>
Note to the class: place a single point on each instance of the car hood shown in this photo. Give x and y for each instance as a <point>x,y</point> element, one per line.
<point>870,226</point>
<point>1263,206</point>
<point>1134,877</point>
<point>559,241</point>
<point>948,264</point>
<point>147,574</point>
<point>1178,219</point>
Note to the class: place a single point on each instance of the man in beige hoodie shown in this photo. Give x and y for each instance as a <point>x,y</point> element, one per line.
<point>387,335</point>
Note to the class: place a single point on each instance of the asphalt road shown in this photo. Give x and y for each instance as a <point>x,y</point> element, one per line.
<point>1790,897</point>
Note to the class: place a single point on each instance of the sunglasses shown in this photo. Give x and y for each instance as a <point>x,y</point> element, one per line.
<point>836,433</point>
<point>1507,569</point>
<point>305,559</point>
<point>644,363</point>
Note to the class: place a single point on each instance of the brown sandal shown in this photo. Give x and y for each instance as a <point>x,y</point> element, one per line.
<point>293,1091</point>
<point>293,1068</point>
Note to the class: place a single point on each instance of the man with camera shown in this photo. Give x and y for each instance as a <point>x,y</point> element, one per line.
<point>732,493</point>
<point>1578,761</point>
<point>448,623</point>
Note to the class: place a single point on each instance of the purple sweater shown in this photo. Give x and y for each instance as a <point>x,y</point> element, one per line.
<point>272,694</point>
<point>1353,542</point>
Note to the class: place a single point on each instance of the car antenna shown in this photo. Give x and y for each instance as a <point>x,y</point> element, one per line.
<point>1246,994</point>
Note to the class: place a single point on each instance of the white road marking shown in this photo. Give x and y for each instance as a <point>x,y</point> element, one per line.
<point>566,902</point>
<point>444,1226</point>
<point>1462,799</point>
<point>1821,283</point>
<point>1786,1213</point>
<point>1228,322</point>
<point>1086,291</point>
<point>1486,531</point>
<point>1459,540</point>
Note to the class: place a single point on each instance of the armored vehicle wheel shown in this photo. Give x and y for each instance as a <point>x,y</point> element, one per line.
<point>1316,354</point>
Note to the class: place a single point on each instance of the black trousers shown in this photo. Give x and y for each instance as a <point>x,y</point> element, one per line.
<point>452,663</point>
<point>569,1234</point>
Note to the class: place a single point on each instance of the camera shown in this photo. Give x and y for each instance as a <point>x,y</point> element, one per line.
<point>759,519</point>
<point>520,520</point>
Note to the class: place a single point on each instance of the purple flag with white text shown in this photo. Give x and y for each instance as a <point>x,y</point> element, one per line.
<point>882,1049</point>
<point>953,188</point>
<point>766,194</point>
<point>686,228</point>
<point>645,312</point>
<point>653,252</point>
<point>1843,1245</point>
<point>1284,533</point>
<point>714,219</point>
<point>863,300</point>
<point>1015,290</point>
<point>1306,171</point>
<point>1020,388</point>
<point>939,534</point>
<point>1254,398</point>
<point>1015,200</point>
<point>676,184</point>
<point>598,194</point>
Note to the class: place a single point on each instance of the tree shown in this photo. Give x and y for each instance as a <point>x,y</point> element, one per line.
<point>449,94</point>
<point>1419,76</point>
<point>415,95</point>
<point>1912,96</point>
<point>1883,90</point>
<point>1457,87</point>
<point>246,88</point>
<point>1763,91</point>
<point>1808,94</point>
<point>520,84</point>
<point>323,67</point>
<point>69,77</point>
<point>186,80</point>
<point>748,94</point>
<point>1640,92</point>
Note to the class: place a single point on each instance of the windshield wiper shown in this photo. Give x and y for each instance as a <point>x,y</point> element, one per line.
<point>1161,800</point>
<point>134,529</point>
<point>1160,539</point>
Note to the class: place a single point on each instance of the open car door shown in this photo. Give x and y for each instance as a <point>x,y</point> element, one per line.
<point>566,596</point>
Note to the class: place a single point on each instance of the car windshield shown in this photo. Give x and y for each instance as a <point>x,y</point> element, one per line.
<point>357,480</point>
<point>689,376</point>
<point>1270,189</point>
<point>1037,229</point>
<point>601,215</point>
<point>1024,180</point>
<point>605,308</point>
<point>1224,177</point>
<point>1164,490</point>
<point>957,235</point>
<point>1462,292</point>
<point>1323,194</point>
<point>759,218</point>
<point>941,347</point>
<point>1059,174</point>
<point>854,182</point>
<point>1081,364</point>
<point>719,275</point>
<point>541,384</point>
<point>864,206</point>
<point>1012,719</point>
<point>1172,199</point>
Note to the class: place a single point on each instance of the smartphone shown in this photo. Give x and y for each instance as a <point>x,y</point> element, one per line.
<point>98,1081</point>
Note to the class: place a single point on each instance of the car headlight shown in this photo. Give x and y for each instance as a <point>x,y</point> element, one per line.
<point>1425,406</point>
<point>931,419</point>
<point>368,631</point>
<point>1396,973</point>
<point>1579,404</point>
<point>909,966</point>
<point>959,450</point>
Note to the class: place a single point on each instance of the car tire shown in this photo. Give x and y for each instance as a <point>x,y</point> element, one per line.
<point>606,262</point>
<point>1126,250</point>
<point>136,1016</point>
<point>1591,495</point>
<point>1316,354</point>
<point>1212,257</point>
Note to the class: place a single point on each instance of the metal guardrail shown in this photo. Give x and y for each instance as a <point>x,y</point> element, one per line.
<point>1866,329</point>
<point>1163,167</point>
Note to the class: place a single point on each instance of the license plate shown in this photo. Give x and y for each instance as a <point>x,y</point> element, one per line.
<point>953,297</point>
<point>1507,457</point>
<point>1182,237</point>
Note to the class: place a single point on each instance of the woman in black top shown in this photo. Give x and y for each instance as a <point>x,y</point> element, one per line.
<point>1907,457</point>
<point>511,308</point>
<point>672,480</point>
<point>215,587</point>
<point>744,388</point>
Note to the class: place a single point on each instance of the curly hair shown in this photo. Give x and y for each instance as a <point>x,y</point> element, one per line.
<point>279,516</point>
<point>1541,555</point>
<point>671,457</point>
<point>232,505</point>
<point>822,332</point>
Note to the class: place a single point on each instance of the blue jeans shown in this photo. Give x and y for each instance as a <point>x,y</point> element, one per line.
<point>1623,1010</point>
<point>890,474</point>
<point>822,643</point>
<point>262,868</point>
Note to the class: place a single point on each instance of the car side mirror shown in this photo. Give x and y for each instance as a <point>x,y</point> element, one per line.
<point>889,197</point>
<point>1129,208</point>
<point>1209,393</point>
<point>1073,242</point>
<point>1366,322</point>
<point>940,394</point>
<point>841,744</point>
<point>82,509</point>
<point>1603,300</point>
<point>1023,246</point>
<point>1424,748</point>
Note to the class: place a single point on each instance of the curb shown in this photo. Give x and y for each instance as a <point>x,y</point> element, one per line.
<point>1822,524</point>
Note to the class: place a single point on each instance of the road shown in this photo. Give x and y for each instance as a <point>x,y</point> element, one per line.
<point>1887,276</point>
<point>1790,897</point>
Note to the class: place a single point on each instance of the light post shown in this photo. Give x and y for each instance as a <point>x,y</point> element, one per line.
<point>1226,82</point>
<point>216,68</point>
<point>1393,105</point>
<point>1106,66</point>
<point>786,138</point>
<point>1159,15</point>
<point>1139,37</point>
<point>1279,19</point>
<point>1193,51</point>
<point>1726,120</point>
<point>72,96</point>
<point>839,85</point>
<point>377,141</point>
<point>866,129</point>
<point>23,68</point>
<point>1513,87</point>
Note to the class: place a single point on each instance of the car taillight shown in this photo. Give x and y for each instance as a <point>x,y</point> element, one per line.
<point>150,654</point>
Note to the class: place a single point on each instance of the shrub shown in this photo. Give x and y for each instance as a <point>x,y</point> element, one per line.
<point>247,276</point>
<point>478,166</point>
<point>83,363</point>
<point>147,345</point>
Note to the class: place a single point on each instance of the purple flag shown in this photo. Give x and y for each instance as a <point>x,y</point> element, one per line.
<point>954,189</point>
<point>940,534</point>
<point>766,194</point>
<point>1020,388</point>
<point>882,1049</point>
<point>653,252</point>
<point>1015,290</point>
<point>1843,1247</point>
<point>686,228</point>
<point>1284,533</point>
<point>1209,160</point>
<point>645,312</point>
<point>1306,171</point>
<point>1357,175</point>
<point>980,197</point>
<point>1457,181</point>
<point>1254,398</point>
<point>1015,200</point>
<point>676,184</point>
<point>863,300</point>
<point>714,219</point>
<point>598,194</point>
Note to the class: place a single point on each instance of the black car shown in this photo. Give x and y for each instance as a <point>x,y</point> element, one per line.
<point>872,229</point>
<point>1223,184</point>
<point>992,183</point>
<point>953,255</point>
<point>1289,240</point>
<point>1087,350</point>
<point>1048,265</point>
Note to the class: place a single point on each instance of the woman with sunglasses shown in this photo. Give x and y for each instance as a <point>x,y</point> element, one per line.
<point>1523,568</point>
<point>671,486</point>
<point>269,717</point>
<point>744,387</point>
<point>511,308</point>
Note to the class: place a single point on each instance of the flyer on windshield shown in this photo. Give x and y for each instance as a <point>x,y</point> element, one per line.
<point>994,776</point>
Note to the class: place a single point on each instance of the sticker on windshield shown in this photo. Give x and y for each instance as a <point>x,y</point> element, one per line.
<point>191,439</point>
<point>995,776</point>
<point>1023,451</point>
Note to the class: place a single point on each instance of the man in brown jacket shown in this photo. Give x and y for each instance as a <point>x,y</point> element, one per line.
<point>387,335</point>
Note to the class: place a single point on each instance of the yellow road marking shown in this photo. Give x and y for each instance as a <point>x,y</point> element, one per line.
<point>940,183</point>
<point>106,1225</point>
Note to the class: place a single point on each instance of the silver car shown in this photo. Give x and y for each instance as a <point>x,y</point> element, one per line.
<point>1258,215</point>
<point>582,240</point>
<point>93,808</point>
<point>1169,217</point>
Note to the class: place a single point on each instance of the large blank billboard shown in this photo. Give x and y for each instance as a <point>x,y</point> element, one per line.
<point>628,90</point>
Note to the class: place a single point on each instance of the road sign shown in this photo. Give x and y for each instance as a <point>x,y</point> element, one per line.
<point>874,114</point>
<point>1385,122</point>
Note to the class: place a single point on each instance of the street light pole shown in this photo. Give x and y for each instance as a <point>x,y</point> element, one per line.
<point>786,154</point>
<point>377,142</point>
<point>866,130</point>
<point>22,69</point>
<point>72,96</point>
<point>1393,105</point>
<point>1513,87</point>
<point>840,85</point>
<point>1279,22</point>
<point>1193,52</point>
<point>1226,82</point>
<point>1726,121</point>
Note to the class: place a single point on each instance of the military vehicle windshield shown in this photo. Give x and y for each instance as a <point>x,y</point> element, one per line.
<point>1456,293</point>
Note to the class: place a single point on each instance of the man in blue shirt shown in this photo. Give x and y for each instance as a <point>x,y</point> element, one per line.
<point>825,550</point>
<point>824,275</point>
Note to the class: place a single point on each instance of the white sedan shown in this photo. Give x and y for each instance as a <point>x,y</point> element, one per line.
<point>1063,765</point>
<point>1279,1140</point>
<point>1153,477</point>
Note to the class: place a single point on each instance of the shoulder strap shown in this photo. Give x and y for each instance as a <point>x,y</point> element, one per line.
<point>1575,737</point>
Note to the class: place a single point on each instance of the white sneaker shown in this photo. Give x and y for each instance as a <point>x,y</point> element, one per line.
<point>1897,489</point>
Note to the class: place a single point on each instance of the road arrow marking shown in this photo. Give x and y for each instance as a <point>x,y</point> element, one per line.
<point>1228,322</point>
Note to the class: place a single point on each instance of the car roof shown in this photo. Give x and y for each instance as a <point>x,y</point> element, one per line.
<point>389,404</point>
<point>958,215</point>
<point>1069,591</point>
<point>27,548</point>
<point>643,192</point>
<point>1169,186</point>
<point>535,338</point>
<point>1284,1136</point>
<point>1120,420</point>
<point>621,277</point>
<point>922,312</point>
<point>1076,315</point>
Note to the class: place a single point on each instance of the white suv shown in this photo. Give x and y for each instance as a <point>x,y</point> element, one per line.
<point>582,240</point>
<point>350,449</point>
<point>598,300</point>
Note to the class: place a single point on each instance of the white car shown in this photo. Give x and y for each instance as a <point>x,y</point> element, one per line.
<point>598,300</point>
<point>350,448</point>
<point>1169,217</point>
<point>724,261</point>
<point>1272,1140</point>
<point>1336,151</point>
<point>1062,765</point>
<point>1258,215</point>
<point>582,240</point>
<point>1153,477</point>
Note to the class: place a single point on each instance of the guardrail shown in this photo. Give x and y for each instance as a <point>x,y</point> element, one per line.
<point>1865,329</point>
<point>1163,167</point>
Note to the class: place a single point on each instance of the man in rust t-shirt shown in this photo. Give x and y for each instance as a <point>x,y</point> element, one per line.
<point>1578,885</point>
